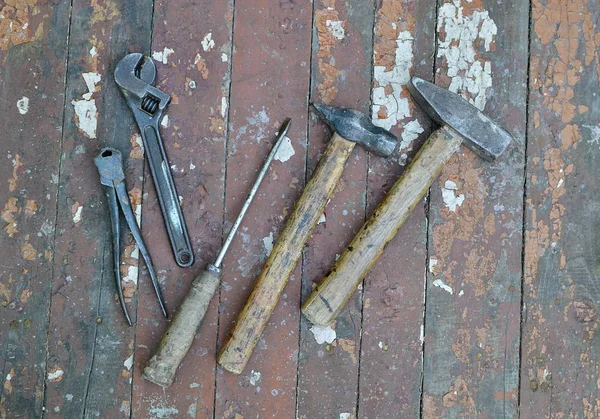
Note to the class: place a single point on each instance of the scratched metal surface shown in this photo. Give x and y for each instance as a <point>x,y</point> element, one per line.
<point>484,305</point>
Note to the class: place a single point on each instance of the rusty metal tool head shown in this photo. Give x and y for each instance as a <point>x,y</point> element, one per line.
<point>479,133</point>
<point>110,167</point>
<point>357,127</point>
<point>460,122</point>
<point>135,75</point>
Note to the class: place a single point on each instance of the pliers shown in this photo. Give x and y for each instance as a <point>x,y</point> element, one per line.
<point>112,177</point>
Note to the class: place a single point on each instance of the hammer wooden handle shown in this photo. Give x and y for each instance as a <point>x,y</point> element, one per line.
<point>328,299</point>
<point>255,315</point>
<point>180,334</point>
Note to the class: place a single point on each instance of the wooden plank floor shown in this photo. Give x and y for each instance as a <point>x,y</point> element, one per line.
<point>486,303</point>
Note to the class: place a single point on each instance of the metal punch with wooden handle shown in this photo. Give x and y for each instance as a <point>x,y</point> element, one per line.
<point>180,334</point>
<point>350,127</point>
<point>460,123</point>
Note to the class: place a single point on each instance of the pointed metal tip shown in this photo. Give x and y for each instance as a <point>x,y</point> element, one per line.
<point>284,127</point>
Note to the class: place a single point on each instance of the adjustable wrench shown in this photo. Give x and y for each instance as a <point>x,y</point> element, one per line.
<point>135,75</point>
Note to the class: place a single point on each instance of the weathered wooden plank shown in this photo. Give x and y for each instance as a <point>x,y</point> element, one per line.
<point>193,67</point>
<point>559,366</point>
<point>89,345</point>
<point>341,76</point>
<point>270,82</point>
<point>32,72</point>
<point>391,350</point>
<point>475,221</point>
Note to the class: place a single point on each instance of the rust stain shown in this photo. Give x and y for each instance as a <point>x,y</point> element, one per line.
<point>349,346</point>
<point>16,25</point>
<point>25,295</point>
<point>137,147</point>
<point>201,66</point>
<point>31,207</point>
<point>430,410</point>
<point>330,30</point>
<point>8,215</point>
<point>459,394</point>
<point>216,125</point>
<point>103,11</point>
<point>29,252</point>
<point>462,345</point>
<point>17,170</point>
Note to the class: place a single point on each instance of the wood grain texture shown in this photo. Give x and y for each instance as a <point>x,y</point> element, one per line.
<point>475,223</point>
<point>32,85</point>
<point>341,76</point>
<point>88,344</point>
<point>271,67</point>
<point>280,264</point>
<point>391,349</point>
<point>329,298</point>
<point>191,46</point>
<point>561,296</point>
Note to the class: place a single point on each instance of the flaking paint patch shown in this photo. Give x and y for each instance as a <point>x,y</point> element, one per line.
<point>458,35</point>
<point>163,56</point>
<point>128,362</point>
<point>86,113</point>
<point>16,23</point>
<point>17,170</point>
<point>268,243</point>
<point>285,151</point>
<point>207,42</point>
<point>8,214</point>
<point>330,31</point>
<point>450,197</point>
<point>323,334</point>
<point>254,377</point>
<point>77,211</point>
<point>440,284</point>
<point>55,375</point>
<point>23,105</point>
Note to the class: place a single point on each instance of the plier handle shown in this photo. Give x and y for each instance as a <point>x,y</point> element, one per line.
<point>112,177</point>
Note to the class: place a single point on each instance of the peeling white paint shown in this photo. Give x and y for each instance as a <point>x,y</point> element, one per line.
<point>23,105</point>
<point>192,84</point>
<point>471,76</point>
<point>396,104</point>
<point>138,213</point>
<point>8,377</point>
<point>165,121</point>
<point>128,362</point>
<point>335,28</point>
<point>77,216</point>
<point>594,134</point>
<point>163,56</point>
<point>323,334</point>
<point>285,151</point>
<point>422,334</point>
<point>439,283</point>
<point>224,57</point>
<point>461,292</point>
<point>322,219</point>
<point>451,199</point>
<point>207,43</point>
<point>93,52</point>
<point>132,274</point>
<point>85,108</point>
<point>344,415</point>
<point>223,106</point>
<point>55,375</point>
<point>254,377</point>
<point>192,166</point>
<point>69,397</point>
<point>268,243</point>
<point>432,263</point>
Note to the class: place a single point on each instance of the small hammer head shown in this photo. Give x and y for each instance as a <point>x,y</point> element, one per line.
<point>479,132</point>
<point>357,127</point>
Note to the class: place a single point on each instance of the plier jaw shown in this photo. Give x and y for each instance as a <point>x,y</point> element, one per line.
<point>110,167</point>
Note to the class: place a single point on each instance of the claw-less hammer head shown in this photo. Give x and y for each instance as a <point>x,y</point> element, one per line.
<point>357,127</point>
<point>479,133</point>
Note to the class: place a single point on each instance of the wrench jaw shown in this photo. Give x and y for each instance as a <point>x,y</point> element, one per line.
<point>135,75</point>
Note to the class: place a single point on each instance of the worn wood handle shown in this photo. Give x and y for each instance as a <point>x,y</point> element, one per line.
<point>255,315</point>
<point>331,295</point>
<point>180,334</point>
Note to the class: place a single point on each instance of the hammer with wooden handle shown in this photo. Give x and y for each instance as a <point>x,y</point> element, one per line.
<point>350,127</point>
<point>460,122</point>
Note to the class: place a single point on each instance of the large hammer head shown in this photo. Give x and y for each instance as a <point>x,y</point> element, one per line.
<point>479,132</point>
<point>357,127</point>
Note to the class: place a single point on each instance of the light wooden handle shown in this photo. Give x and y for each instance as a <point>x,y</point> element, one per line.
<point>328,299</point>
<point>255,315</point>
<point>180,334</point>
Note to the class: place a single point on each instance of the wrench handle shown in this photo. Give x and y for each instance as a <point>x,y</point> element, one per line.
<point>331,295</point>
<point>167,196</point>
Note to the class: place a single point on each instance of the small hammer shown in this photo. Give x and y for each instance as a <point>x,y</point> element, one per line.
<point>460,122</point>
<point>350,127</point>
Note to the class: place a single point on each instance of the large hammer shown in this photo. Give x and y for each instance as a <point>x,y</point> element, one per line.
<point>350,127</point>
<point>460,123</point>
